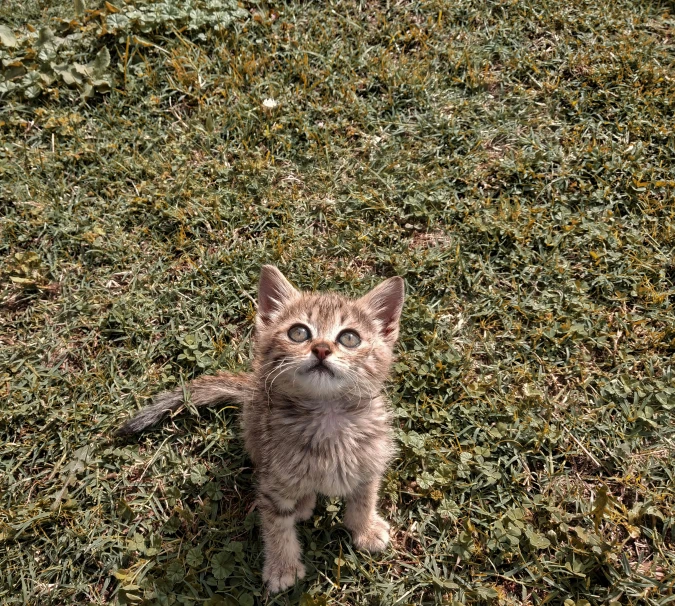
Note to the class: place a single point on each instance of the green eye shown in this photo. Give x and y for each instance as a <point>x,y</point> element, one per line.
<point>349,338</point>
<point>299,333</point>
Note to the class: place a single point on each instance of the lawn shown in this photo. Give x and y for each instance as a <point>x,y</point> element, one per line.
<point>513,160</point>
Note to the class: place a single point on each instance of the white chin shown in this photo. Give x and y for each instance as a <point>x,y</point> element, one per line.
<point>319,382</point>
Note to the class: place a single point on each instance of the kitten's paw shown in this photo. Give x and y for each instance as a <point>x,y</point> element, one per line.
<point>374,538</point>
<point>305,508</point>
<point>282,575</point>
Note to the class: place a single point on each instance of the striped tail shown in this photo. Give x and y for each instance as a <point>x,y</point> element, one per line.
<point>204,391</point>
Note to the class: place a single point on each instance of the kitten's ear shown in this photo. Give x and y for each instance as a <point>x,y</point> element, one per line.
<point>385,302</point>
<point>274,291</point>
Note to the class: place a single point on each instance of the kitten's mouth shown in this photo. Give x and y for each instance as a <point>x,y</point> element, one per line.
<point>321,369</point>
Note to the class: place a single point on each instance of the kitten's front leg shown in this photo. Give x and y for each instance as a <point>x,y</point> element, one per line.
<point>282,550</point>
<point>305,507</point>
<point>369,531</point>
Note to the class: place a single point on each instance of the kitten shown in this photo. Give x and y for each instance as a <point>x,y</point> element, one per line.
<point>314,417</point>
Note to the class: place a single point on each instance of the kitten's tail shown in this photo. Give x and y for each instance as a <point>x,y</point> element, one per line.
<point>204,391</point>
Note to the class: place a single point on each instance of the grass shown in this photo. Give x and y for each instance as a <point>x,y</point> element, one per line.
<point>512,160</point>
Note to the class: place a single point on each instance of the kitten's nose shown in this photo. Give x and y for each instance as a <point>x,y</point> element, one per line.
<point>321,350</point>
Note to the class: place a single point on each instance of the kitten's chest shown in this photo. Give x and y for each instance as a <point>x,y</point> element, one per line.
<point>335,451</point>
<point>332,427</point>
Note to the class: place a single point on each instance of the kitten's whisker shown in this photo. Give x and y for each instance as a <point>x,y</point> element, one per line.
<point>277,368</point>
<point>357,382</point>
<point>280,369</point>
<point>295,373</point>
<point>271,362</point>
<point>353,376</point>
<point>279,374</point>
<point>278,364</point>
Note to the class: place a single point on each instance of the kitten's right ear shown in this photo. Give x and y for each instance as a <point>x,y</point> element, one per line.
<point>274,292</point>
<point>385,303</point>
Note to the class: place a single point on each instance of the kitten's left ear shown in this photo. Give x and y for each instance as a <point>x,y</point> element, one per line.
<point>274,292</point>
<point>385,302</point>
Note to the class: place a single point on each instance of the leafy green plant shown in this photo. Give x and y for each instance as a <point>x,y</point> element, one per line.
<point>195,16</point>
<point>35,62</point>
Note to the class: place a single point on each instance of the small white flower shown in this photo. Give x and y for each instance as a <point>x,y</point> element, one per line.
<point>270,103</point>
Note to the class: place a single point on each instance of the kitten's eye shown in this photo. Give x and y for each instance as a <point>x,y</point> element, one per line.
<point>349,338</point>
<point>299,333</point>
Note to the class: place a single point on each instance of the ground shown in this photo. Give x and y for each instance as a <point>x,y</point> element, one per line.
<point>513,160</point>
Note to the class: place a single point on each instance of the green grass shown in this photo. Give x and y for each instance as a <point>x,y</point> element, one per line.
<point>512,160</point>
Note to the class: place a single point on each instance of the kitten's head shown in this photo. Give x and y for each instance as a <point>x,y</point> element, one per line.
<point>325,345</point>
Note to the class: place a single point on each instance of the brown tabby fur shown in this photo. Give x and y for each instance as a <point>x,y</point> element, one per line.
<point>307,429</point>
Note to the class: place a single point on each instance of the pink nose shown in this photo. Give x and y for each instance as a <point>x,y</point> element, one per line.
<point>321,351</point>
